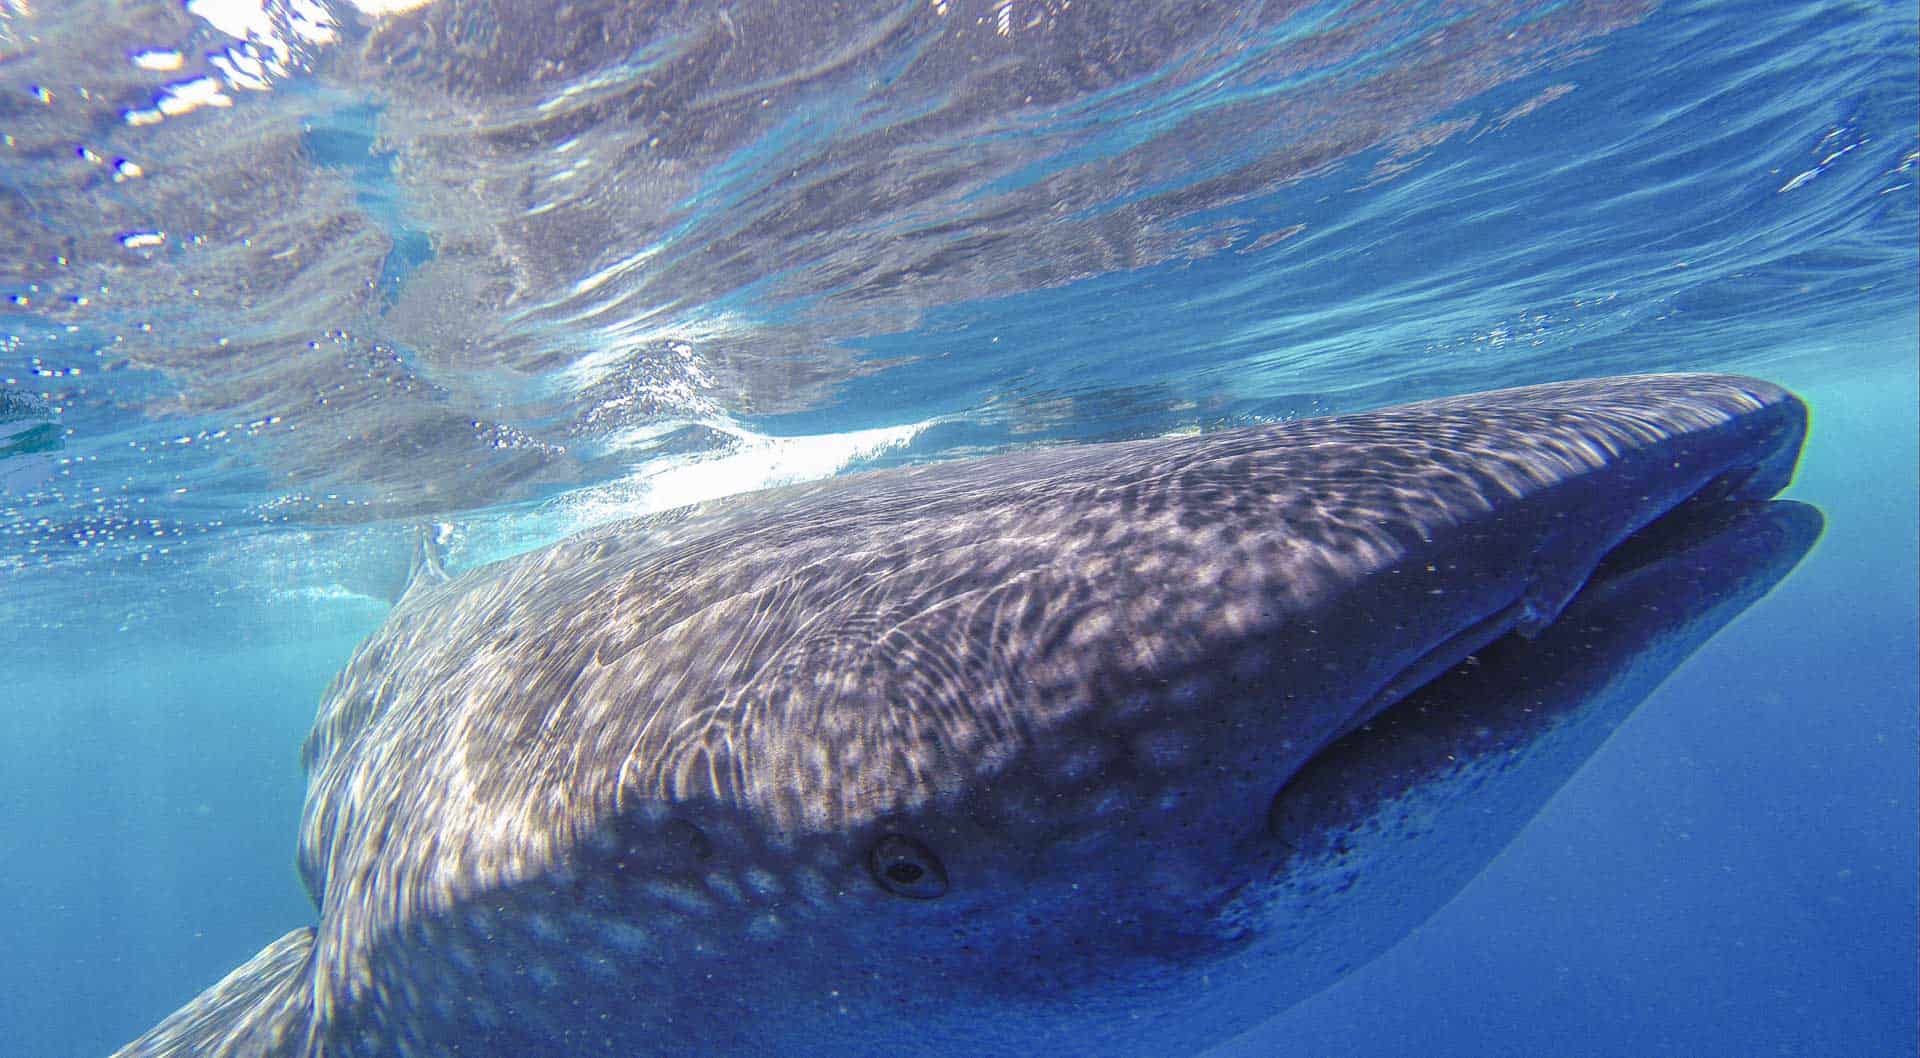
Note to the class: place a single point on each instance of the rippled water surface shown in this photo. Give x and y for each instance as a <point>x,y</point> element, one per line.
<point>280,281</point>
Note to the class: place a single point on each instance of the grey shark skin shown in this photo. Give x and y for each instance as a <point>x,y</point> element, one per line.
<point>1066,752</point>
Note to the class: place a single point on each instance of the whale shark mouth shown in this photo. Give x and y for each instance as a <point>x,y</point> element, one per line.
<point>1688,523</point>
<point>1688,544</point>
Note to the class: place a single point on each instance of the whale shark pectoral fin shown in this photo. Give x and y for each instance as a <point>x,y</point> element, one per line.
<point>263,1009</point>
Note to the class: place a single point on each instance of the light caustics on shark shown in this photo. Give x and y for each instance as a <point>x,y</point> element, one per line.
<point>1115,750</point>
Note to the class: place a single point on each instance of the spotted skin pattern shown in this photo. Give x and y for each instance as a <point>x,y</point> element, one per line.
<point>972,758</point>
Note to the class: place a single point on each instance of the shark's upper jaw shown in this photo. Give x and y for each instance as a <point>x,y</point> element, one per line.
<point>1662,528</point>
<point>1645,502</point>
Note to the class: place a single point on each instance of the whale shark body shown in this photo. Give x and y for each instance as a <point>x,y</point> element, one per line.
<point>1112,750</point>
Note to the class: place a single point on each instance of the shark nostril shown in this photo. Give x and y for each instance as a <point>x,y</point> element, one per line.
<point>905,867</point>
<point>688,840</point>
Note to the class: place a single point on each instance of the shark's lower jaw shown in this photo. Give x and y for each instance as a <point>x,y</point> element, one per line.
<point>1489,738</point>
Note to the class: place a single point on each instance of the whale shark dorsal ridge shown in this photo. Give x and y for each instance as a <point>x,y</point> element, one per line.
<point>427,566</point>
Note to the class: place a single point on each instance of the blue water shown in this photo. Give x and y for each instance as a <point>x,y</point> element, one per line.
<point>244,348</point>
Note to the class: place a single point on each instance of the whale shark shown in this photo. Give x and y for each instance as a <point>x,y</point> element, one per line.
<point>1114,750</point>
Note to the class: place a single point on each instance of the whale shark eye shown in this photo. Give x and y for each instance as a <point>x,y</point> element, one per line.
<point>904,867</point>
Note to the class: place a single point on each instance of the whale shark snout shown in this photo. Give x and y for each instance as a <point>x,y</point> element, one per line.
<point>1095,751</point>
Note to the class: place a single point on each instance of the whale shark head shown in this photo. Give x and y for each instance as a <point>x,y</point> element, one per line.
<point>1104,751</point>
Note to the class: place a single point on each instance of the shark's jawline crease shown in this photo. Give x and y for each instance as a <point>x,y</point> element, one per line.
<point>1112,751</point>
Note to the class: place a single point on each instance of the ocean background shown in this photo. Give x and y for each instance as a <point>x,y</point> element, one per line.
<point>281,281</point>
